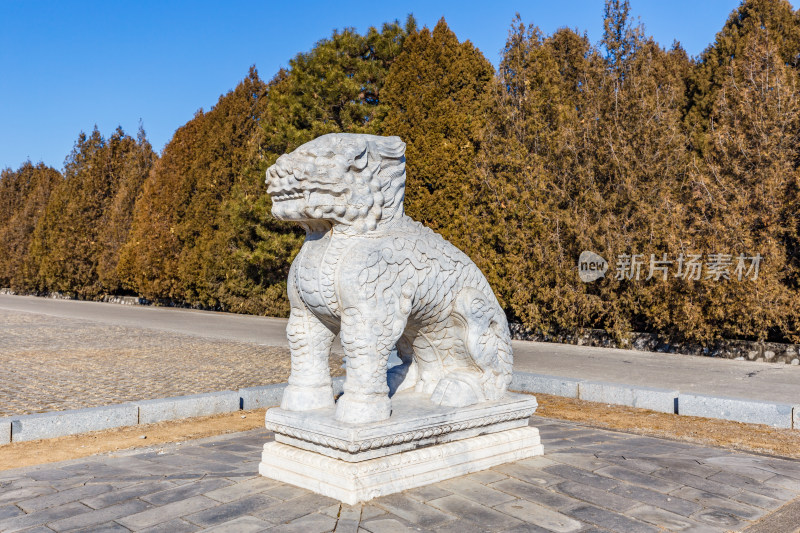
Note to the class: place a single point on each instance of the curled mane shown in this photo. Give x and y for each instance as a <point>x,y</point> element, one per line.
<point>365,173</point>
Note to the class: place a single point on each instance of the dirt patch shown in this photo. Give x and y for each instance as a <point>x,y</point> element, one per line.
<point>722,433</point>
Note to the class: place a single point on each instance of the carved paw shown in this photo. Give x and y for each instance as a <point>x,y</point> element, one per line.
<point>297,398</point>
<point>456,392</point>
<point>363,409</point>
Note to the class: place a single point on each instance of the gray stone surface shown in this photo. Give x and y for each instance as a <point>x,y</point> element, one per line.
<point>668,502</point>
<point>75,364</point>
<point>610,520</point>
<point>557,386</point>
<point>258,397</point>
<point>5,430</point>
<point>159,515</point>
<point>60,423</point>
<point>538,515</point>
<point>603,392</point>
<point>786,518</point>
<point>64,496</point>
<point>224,326</point>
<point>39,518</point>
<point>480,513</point>
<point>688,374</point>
<point>654,399</point>
<point>94,519</point>
<point>749,411</point>
<point>661,400</point>
<point>211,403</point>
<point>677,486</point>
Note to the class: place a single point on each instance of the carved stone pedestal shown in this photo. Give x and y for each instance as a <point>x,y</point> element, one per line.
<point>420,444</point>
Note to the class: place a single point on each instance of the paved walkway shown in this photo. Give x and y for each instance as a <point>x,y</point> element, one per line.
<point>590,480</point>
<point>61,354</point>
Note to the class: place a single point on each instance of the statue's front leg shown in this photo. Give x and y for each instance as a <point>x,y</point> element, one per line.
<point>367,335</point>
<point>310,345</point>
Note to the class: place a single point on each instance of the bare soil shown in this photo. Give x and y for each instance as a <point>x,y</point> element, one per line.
<point>722,433</point>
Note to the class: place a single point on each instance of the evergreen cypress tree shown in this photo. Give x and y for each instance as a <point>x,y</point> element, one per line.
<point>203,232</point>
<point>746,197</point>
<point>24,194</point>
<point>76,243</point>
<point>130,162</point>
<point>437,96</point>
<point>583,151</point>
<point>336,87</point>
<point>149,259</point>
<point>775,20</point>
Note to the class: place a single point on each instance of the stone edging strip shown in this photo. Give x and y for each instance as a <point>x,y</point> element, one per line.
<point>779,415</point>
<point>75,421</point>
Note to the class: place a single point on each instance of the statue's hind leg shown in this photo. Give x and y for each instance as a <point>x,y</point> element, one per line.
<point>485,370</point>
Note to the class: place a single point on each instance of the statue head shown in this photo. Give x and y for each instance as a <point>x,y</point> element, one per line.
<point>340,178</point>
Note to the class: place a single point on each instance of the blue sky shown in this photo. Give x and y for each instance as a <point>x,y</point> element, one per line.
<point>66,66</point>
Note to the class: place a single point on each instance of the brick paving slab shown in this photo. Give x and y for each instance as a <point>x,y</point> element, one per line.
<point>50,363</point>
<point>581,489</point>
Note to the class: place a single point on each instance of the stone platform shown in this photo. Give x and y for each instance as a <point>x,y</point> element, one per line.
<point>415,422</point>
<point>420,444</point>
<point>352,483</point>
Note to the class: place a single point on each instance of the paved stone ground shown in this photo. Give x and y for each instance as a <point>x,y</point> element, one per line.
<point>53,363</point>
<point>589,480</point>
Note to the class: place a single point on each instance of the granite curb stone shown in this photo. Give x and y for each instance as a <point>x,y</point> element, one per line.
<point>270,395</point>
<point>654,399</point>
<point>61,423</point>
<point>264,396</point>
<point>211,403</point>
<point>778,415</point>
<point>5,430</point>
<point>557,386</point>
<point>603,392</point>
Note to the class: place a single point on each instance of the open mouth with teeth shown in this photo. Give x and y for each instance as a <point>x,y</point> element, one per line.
<point>282,197</point>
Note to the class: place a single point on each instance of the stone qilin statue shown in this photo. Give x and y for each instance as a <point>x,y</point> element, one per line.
<point>380,280</point>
